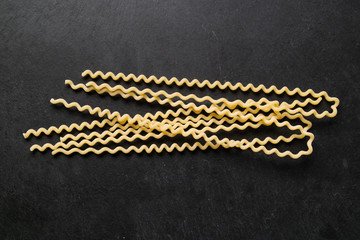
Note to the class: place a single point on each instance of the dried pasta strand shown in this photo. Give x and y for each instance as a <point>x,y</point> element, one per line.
<point>194,122</point>
<point>137,95</point>
<point>189,121</point>
<point>142,94</point>
<point>192,131</point>
<point>69,128</point>
<point>168,97</point>
<point>225,142</point>
<point>142,120</point>
<point>89,136</point>
<point>226,85</point>
<point>172,133</point>
<point>131,94</point>
<point>209,120</point>
<point>100,112</point>
<point>220,119</point>
<point>193,125</point>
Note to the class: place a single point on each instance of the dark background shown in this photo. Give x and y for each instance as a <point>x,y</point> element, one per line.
<point>224,194</point>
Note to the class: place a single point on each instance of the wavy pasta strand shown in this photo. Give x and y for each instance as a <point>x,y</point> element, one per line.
<point>172,133</point>
<point>226,85</point>
<point>69,128</point>
<point>226,143</point>
<point>194,119</point>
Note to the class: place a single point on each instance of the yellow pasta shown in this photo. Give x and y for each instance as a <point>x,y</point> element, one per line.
<point>143,120</point>
<point>84,135</point>
<point>70,128</point>
<point>187,122</point>
<point>226,143</point>
<point>225,103</point>
<point>192,131</point>
<point>269,105</point>
<point>137,95</point>
<point>173,132</point>
<point>227,85</point>
<point>221,115</point>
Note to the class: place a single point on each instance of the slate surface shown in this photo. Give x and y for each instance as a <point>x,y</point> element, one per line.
<point>225,194</point>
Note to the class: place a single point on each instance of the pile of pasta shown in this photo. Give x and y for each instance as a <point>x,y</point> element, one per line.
<point>195,119</point>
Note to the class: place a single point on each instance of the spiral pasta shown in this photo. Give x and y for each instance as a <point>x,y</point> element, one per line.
<point>192,119</point>
<point>193,130</point>
<point>173,132</point>
<point>70,128</point>
<point>226,85</point>
<point>226,143</point>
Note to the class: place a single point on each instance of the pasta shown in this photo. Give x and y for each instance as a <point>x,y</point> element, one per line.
<point>173,132</point>
<point>227,85</point>
<point>70,128</point>
<point>195,119</point>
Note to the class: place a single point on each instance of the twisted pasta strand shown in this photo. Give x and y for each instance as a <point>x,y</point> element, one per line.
<point>226,143</point>
<point>89,136</point>
<point>226,85</point>
<point>137,95</point>
<point>221,115</point>
<point>173,132</point>
<point>103,112</point>
<point>142,94</point>
<point>66,128</point>
<point>143,120</point>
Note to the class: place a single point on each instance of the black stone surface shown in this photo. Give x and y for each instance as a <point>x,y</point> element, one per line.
<point>224,194</point>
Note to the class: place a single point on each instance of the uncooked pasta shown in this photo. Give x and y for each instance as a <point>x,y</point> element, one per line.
<point>196,120</point>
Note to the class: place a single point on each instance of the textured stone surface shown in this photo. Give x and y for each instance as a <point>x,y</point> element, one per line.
<point>225,194</point>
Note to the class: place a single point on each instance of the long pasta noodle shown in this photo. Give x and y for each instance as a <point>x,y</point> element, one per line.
<point>191,117</point>
<point>226,85</point>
